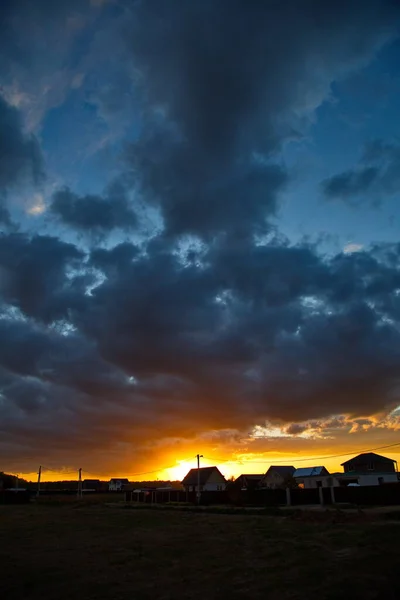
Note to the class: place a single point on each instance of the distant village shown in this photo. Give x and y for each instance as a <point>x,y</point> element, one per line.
<point>365,470</point>
<point>368,469</point>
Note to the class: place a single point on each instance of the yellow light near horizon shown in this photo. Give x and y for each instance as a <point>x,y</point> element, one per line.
<point>48,476</point>
<point>229,467</point>
<point>177,473</point>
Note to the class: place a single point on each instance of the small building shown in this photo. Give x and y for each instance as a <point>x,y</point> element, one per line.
<point>211,480</point>
<point>312,477</point>
<point>116,484</point>
<point>249,482</point>
<point>369,462</point>
<point>277,477</point>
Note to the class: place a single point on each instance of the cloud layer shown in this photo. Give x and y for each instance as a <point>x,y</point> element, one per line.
<point>211,319</point>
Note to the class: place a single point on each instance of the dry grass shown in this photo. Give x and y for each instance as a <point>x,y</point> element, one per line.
<point>94,552</point>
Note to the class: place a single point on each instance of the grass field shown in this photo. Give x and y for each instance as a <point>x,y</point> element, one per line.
<point>57,552</point>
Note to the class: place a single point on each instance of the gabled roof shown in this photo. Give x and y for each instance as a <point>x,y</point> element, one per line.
<point>249,480</point>
<point>205,473</point>
<point>121,479</point>
<point>309,471</point>
<point>368,457</point>
<point>283,470</point>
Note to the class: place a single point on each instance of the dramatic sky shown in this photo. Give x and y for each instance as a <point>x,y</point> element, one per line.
<point>199,246</point>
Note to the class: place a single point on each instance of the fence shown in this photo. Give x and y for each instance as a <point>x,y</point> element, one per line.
<point>244,498</point>
<point>379,495</point>
<point>14,497</point>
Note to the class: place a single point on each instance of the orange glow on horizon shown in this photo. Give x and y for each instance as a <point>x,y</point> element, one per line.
<point>229,467</point>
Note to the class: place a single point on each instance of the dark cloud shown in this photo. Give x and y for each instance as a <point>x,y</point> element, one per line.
<point>346,359</point>
<point>297,353</point>
<point>20,156</point>
<point>34,275</point>
<point>95,214</point>
<point>296,429</point>
<point>361,425</point>
<point>377,176</point>
<point>114,261</point>
<point>225,71</point>
<point>158,340</point>
<point>222,91</point>
<point>350,183</point>
<point>193,201</point>
<point>51,357</point>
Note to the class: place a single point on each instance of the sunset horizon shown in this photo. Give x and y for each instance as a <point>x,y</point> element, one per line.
<point>230,467</point>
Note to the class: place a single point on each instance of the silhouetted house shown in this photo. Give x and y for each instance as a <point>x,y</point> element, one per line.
<point>369,462</point>
<point>368,469</point>
<point>248,482</point>
<point>92,484</point>
<point>277,476</point>
<point>211,480</point>
<point>117,484</point>
<point>312,477</point>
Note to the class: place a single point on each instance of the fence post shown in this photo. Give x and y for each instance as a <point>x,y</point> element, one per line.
<point>333,495</point>
<point>288,499</point>
<point>321,496</point>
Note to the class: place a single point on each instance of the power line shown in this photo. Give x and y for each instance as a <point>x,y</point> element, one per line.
<point>304,459</point>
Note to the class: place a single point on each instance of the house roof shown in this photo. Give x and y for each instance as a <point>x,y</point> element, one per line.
<point>309,471</point>
<point>368,457</point>
<point>283,470</point>
<point>121,479</point>
<point>205,473</point>
<point>252,476</point>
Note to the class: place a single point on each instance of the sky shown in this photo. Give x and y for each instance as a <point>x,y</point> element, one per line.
<point>199,247</point>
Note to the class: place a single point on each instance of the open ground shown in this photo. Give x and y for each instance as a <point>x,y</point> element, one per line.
<point>92,551</point>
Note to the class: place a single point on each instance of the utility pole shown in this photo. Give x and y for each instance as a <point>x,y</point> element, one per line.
<point>80,483</point>
<point>38,481</point>
<point>198,495</point>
